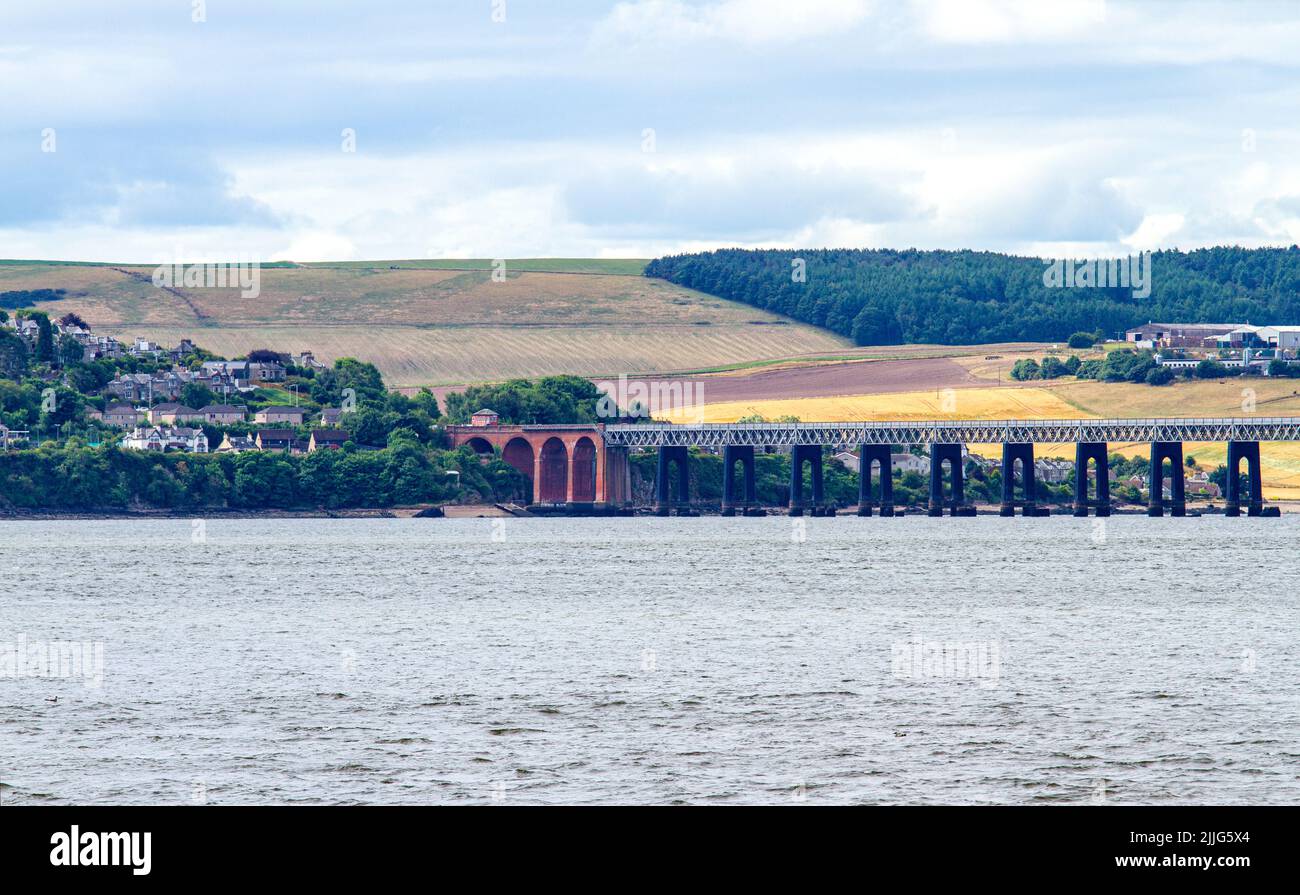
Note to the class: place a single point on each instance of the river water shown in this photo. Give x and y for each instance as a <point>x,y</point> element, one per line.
<point>709,660</point>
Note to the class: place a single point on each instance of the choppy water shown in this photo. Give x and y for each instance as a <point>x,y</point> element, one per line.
<point>656,661</point>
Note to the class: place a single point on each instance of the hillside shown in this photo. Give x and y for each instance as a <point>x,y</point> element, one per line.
<point>438,322</point>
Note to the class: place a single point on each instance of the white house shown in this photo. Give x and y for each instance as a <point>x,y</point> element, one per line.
<point>166,438</point>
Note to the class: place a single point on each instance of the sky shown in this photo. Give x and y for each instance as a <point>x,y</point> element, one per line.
<point>331,130</point>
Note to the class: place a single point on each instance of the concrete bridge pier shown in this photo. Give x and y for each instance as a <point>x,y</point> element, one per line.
<point>1237,452</point>
<point>799,454</point>
<point>939,454</point>
<point>1095,451</point>
<point>870,455</point>
<point>744,455</point>
<point>1177,502</point>
<point>1024,453</point>
<point>663,481</point>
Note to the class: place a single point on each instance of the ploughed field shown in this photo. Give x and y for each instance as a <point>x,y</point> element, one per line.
<point>444,322</point>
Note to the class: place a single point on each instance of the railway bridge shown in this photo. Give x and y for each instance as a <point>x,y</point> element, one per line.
<point>586,466</point>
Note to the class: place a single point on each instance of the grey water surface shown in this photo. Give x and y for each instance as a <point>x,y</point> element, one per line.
<point>655,661</point>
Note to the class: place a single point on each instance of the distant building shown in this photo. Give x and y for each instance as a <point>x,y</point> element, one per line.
<point>330,416</point>
<point>173,413</point>
<point>1286,338</point>
<point>123,416</point>
<point>276,439</point>
<point>266,371</point>
<point>326,439</point>
<point>903,463</point>
<point>485,417</point>
<point>1179,335</point>
<point>236,444</point>
<point>166,438</point>
<point>281,414</point>
<point>223,414</point>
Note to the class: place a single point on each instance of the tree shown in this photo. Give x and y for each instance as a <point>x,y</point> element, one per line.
<point>1159,376</point>
<point>71,352</point>
<point>72,319</point>
<point>1082,340</point>
<point>1210,369</point>
<point>196,395</point>
<point>1025,369</point>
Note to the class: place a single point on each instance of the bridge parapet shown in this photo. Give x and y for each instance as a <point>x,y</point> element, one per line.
<point>719,435</point>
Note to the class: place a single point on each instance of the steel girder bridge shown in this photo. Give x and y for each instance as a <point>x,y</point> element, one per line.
<point>944,439</point>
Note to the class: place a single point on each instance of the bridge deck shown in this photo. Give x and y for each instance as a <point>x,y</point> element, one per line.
<point>649,435</point>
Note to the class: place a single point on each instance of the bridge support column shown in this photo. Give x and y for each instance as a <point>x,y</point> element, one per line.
<point>1237,452</point>
<point>731,455</point>
<point>1083,452</point>
<point>663,481</point>
<point>1024,452</point>
<point>938,454</point>
<point>1177,502</point>
<point>811,453</point>
<point>870,455</point>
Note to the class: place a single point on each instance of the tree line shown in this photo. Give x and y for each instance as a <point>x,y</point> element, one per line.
<point>888,297</point>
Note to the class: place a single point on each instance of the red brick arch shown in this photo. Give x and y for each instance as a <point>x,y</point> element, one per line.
<point>564,464</point>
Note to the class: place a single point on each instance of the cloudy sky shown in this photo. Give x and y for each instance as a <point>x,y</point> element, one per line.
<point>144,130</point>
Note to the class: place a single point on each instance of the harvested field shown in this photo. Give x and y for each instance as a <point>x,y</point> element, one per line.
<point>439,326</point>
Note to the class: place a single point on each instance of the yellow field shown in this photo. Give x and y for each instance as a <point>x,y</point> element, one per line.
<point>1075,400</point>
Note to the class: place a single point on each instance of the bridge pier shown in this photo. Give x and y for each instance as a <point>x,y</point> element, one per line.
<point>1177,503</point>
<point>871,454</point>
<point>1237,452</point>
<point>939,453</point>
<point>1024,452</point>
<point>731,455</point>
<point>663,482</point>
<point>799,454</point>
<point>1083,452</point>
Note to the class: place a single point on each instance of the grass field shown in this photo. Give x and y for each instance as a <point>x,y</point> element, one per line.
<point>1067,400</point>
<point>441,322</point>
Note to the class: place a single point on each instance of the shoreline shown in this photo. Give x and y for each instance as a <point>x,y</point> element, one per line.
<point>486,511</point>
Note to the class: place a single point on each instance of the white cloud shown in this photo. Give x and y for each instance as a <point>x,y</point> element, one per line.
<point>743,21</point>
<point>997,21</point>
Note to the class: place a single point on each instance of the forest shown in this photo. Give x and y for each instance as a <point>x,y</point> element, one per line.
<point>888,297</point>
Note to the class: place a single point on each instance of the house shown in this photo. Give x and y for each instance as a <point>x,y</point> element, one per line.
<point>276,439</point>
<point>330,416</point>
<point>847,459</point>
<point>235,370</point>
<point>236,444</point>
<point>166,438</point>
<point>326,439</point>
<point>307,360</point>
<point>172,414</point>
<point>120,415</point>
<point>280,414</point>
<point>905,463</point>
<point>485,417</point>
<point>1052,471</point>
<point>265,371</point>
<point>224,414</point>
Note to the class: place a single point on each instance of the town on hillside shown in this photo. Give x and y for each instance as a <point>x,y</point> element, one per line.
<point>150,405</point>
